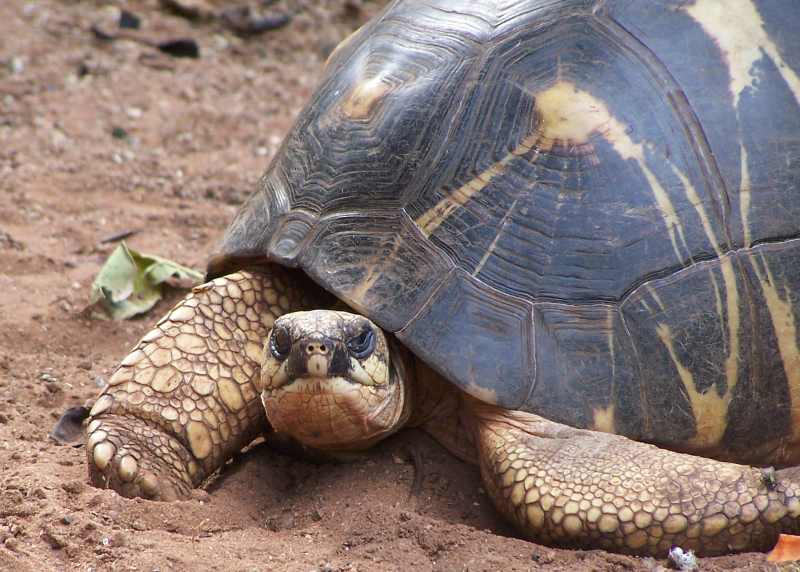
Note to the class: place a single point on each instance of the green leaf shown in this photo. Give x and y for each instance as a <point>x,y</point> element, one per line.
<point>130,282</point>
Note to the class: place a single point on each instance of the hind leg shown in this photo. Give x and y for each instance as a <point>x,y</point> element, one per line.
<point>583,488</point>
<point>183,401</point>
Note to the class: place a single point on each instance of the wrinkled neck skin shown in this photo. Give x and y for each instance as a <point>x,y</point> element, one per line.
<point>434,404</point>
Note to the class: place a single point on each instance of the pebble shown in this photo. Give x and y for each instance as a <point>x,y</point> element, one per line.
<point>12,544</point>
<point>54,539</point>
<point>73,487</point>
<point>133,112</point>
<point>16,65</point>
<point>119,132</point>
<point>685,561</point>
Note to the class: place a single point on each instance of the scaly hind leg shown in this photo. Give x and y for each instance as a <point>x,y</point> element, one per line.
<point>583,488</point>
<point>183,401</point>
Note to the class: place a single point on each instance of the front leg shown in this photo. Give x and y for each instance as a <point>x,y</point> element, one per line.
<point>183,401</point>
<point>584,488</point>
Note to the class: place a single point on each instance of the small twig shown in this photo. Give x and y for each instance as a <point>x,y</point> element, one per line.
<point>117,236</point>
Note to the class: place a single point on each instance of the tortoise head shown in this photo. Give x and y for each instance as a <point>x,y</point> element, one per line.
<point>328,380</point>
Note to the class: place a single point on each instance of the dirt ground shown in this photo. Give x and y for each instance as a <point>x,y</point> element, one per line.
<point>100,137</point>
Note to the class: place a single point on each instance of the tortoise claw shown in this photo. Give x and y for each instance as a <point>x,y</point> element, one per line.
<point>136,460</point>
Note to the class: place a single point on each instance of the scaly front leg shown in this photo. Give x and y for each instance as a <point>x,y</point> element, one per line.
<point>583,488</point>
<point>183,401</point>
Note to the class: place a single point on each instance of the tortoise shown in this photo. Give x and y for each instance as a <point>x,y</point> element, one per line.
<point>561,236</point>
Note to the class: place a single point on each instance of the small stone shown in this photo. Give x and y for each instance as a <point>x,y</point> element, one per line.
<point>685,561</point>
<point>118,539</point>
<point>55,540</point>
<point>119,133</point>
<point>543,556</point>
<point>67,519</point>
<point>129,20</point>
<point>11,543</point>
<point>16,65</point>
<point>133,112</point>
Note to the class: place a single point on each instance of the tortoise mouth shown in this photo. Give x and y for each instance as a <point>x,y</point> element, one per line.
<point>317,377</point>
<point>333,413</point>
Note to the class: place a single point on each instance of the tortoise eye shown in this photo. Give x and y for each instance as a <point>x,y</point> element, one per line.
<point>280,343</point>
<point>363,344</point>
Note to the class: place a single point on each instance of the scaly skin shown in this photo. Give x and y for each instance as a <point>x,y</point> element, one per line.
<point>582,488</point>
<point>187,398</point>
<point>183,401</point>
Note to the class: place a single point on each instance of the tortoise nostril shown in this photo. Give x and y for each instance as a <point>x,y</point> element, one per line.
<point>317,348</point>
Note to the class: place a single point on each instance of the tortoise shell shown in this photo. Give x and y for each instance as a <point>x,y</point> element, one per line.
<point>587,210</point>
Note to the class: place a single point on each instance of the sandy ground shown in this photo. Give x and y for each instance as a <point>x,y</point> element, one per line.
<point>97,138</point>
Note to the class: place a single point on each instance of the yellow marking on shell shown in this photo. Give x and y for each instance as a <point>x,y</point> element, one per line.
<point>610,337</point>
<point>729,279</point>
<point>709,408</point>
<point>744,195</point>
<point>493,245</point>
<point>430,220</point>
<point>783,324</point>
<point>604,419</point>
<point>576,114</point>
<point>365,95</point>
<point>484,394</point>
<point>656,298</point>
<point>739,31</point>
<point>732,305</point>
<point>565,116</point>
<point>570,114</point>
